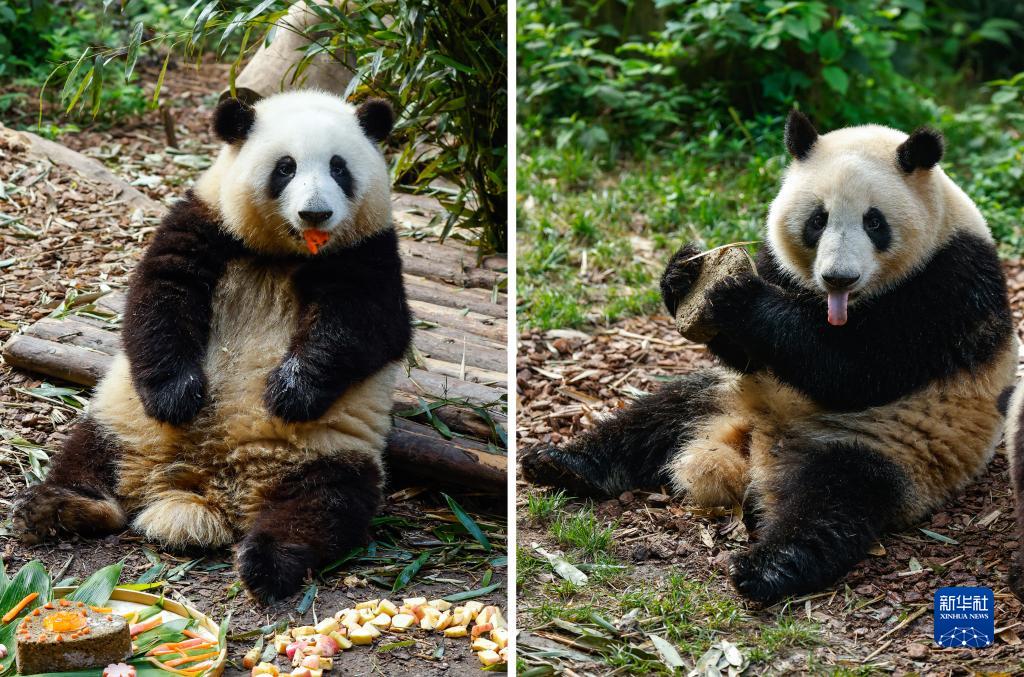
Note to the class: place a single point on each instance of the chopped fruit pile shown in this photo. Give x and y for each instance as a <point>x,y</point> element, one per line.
<point>311,648</point>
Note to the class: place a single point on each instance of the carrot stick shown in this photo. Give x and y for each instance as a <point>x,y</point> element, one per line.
<point>189,659</point>
<point>19,607</point>
<point>188,673</point>
<point>193,634</point>
<point>154,622</point>
<point>189,643</point>
<point>101,609</point>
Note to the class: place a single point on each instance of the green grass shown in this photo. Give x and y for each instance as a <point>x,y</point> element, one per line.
<point>541,506</point>
<point>594,234</point>
<point>787,632</point>
<point>527,566</point>
<point>583,532</point>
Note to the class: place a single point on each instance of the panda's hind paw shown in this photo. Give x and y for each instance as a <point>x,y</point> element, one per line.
<point>552,467</point>
<point>270,569</point>
<point>44,511</point>
<point>767,573</point>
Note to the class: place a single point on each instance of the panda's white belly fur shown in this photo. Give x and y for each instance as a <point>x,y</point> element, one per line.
<point>942,436</point>
<point>204,482</point>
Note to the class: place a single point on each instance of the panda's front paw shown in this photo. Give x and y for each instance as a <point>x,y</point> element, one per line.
<point>176,400</point>
<point>270,569</point>
<point>294,397</point>
<point>680,274</point>
<point>729,301</point>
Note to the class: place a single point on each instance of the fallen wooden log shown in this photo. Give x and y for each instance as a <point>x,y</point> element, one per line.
<point>418,449</point>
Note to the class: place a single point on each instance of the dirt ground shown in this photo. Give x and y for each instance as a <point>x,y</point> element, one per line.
<point>876,620</point>
<point>60,233</point>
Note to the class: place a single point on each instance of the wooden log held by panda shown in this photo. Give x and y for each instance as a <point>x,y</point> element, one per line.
<point>719,264</point>
<point>273,68</point>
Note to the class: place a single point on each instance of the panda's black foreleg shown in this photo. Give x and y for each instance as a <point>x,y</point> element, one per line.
<point>311,518</point>
<point>825,504</point>
<point>630,449</point>
<point>77,496</point>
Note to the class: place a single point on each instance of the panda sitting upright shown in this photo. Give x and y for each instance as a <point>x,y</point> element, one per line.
<point>863,365</point>
<point>263,334</point>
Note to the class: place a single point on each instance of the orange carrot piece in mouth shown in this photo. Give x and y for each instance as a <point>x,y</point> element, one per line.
<point>315,239</point>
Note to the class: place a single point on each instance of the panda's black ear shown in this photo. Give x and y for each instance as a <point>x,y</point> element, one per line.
<point>232,120</point>
<point>922,150</point>
<point>800,135</point>
<point>376,118</point>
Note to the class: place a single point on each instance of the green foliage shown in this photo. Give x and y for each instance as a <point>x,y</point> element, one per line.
<point>591,73</point>
<point>641,131</point>
<point>442,65</point>
<point>36,35</point>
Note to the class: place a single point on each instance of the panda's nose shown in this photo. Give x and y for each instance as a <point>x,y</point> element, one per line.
<point>315,218</point>
<point>840,281</point>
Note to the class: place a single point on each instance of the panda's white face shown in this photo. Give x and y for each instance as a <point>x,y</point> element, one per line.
<point>849,222</point>
<point>305,167</point>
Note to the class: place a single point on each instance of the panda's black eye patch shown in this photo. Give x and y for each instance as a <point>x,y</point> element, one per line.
<point>877,228</point>
<point>814,226</point>
<point>342,176</point>
<point>284,172</point>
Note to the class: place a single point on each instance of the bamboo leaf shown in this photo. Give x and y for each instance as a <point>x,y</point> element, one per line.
<point>96,589</point>
<point>133,50</point>
<point>160,78</point>
<point>470,594</point>
<point>31,578</point>
<point>409,571</point>
<point>468,522</point>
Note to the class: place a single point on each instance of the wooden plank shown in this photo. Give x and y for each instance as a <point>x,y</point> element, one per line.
<point>477,300</point>
<point>459,349</point>
<point>420,382</point>
<point>446,263</point>
<point>493,328</point>
<point>72,330</point>
<point>469,373</point>
<point>462,461</point>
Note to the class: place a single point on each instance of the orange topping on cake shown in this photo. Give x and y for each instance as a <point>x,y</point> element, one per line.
<point>64,621</point>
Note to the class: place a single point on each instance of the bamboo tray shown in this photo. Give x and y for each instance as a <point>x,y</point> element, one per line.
<point>130,600</point>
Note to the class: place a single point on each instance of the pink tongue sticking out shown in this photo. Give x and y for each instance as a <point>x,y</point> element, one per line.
<point>837,307</point>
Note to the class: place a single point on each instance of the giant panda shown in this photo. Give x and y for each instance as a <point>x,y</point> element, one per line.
<point>860,368</point>
<point>263,333</point>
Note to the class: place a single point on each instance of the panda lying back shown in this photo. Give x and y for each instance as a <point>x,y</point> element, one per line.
<point>262,338</point>
<point>861,366</point>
